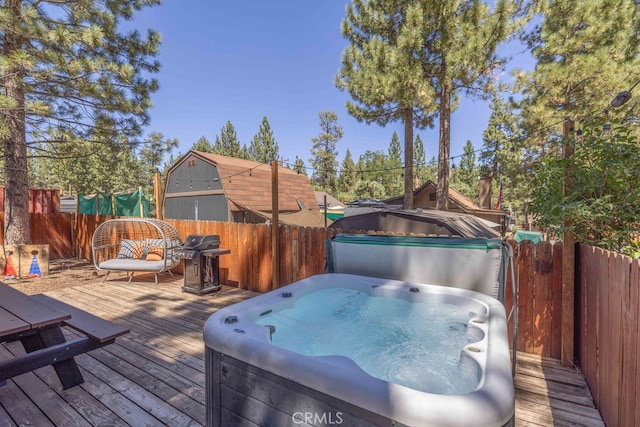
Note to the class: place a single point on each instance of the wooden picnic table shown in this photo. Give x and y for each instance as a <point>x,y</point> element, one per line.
<point>36,321</point>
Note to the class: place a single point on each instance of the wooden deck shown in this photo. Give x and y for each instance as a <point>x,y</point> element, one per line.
<point>155,375</point>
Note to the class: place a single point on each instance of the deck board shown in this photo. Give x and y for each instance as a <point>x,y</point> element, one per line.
<point>155,374</point>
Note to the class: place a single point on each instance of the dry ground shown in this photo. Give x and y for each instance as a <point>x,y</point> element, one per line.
<point>63,273</point>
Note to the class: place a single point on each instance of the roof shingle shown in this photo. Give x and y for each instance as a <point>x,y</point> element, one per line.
<point>249,183</point>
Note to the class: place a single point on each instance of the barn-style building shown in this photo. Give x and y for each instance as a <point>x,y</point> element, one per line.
<point>205,186</point>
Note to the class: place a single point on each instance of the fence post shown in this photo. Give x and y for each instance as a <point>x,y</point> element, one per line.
<point>568,255</point>
<point>275,220</point>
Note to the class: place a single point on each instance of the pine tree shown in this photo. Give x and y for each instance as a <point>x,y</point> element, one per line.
<point>373,169</point>
<point>324,152</point>
<point>586,52</point>
<point>395,173</point>
<point>383,71</point>
<point>264,147</point>
<point>501,156</point>
<point>465,178</point>
<point>348,178</point>
<point>68,75</point>
<point>88,167</point>
<point>298,166</point>
<point>419,157</point>
<point>408,61</point>
<point>203,144</point>
<point>150,158</point>
<point>227,143</point>
<point>465,36</point>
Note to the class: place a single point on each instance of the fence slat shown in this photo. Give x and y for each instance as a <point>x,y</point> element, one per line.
<point>543,264</point>
<point>628,340</point>
<point>525,296</point>
<point>634,314</point>
<point>614,319</point>
<point>556,302</point>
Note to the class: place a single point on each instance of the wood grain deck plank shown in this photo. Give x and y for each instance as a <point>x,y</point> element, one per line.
<point>189,353</point>
<point>152,404</point>
<point>43,396</point>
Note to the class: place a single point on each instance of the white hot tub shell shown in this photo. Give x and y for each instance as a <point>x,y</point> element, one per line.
<point>250,381</point>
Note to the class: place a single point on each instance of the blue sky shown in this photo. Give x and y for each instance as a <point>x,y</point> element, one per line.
<point>242,60</point>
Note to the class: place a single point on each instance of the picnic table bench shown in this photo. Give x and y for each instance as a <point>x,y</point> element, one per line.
<point>37,320</point>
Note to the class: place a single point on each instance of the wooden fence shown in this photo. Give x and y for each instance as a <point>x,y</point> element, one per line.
<point>538,273</point>
<point>608,325</point>
<point>302,254</point>
<point>56,230</point>
<point>41,200</point>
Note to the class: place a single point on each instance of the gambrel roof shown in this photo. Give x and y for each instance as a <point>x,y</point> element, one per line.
<point>248,183</point>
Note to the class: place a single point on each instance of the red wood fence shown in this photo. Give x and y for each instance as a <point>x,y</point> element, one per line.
<point>302,254</point>
<point>53,229</point>
<point>41,200</point>
<point>608,324</point>
<point>538,273</point>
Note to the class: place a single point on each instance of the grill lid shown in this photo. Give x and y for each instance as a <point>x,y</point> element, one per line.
<point>201,242</point>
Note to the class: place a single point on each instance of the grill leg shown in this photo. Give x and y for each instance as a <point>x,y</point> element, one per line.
<point>105,277</point>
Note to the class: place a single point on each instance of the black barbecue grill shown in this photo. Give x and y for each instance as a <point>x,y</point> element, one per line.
<point>199,255</point>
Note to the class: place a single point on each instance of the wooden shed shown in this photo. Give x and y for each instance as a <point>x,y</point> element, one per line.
<point>205,186</point>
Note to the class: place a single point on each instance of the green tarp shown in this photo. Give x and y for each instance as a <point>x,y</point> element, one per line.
<point>534,236</point>
<point>124,204</point>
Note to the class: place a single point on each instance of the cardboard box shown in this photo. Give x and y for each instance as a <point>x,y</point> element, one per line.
<point>34,260</point>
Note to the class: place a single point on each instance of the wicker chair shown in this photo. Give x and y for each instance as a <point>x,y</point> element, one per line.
<point>135,244</point>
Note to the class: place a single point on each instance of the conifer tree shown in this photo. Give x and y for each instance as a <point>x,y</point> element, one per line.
<point>203,144</point>
<point>394,176</point>
<point>69,74</point>
<point>324,152</point>
<point>264,147</point>
<point>409,60</point>
<point>348,178</point>
<point>383,70</point>
<point>227,143</point>
<point>149,159</point>
<point>586,52</point>
<point>419,158</point>
<point>465,178</point>
<point>373,169</point>
<point>501,156</point>
<point>298,166</point>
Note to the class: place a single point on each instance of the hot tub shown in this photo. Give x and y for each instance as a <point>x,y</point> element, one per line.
<point>252,378</point>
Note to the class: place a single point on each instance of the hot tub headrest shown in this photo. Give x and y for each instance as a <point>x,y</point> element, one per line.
<point>477,264</point>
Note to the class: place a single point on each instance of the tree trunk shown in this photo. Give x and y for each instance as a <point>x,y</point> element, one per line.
<point>408,158</point>
<point>442,189</point>
<point>16,205</point>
